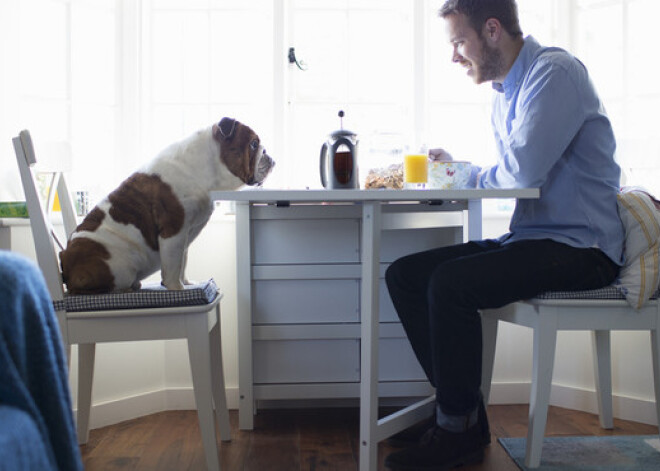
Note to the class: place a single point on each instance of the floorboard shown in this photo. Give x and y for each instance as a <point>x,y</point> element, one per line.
<point>299,439</point>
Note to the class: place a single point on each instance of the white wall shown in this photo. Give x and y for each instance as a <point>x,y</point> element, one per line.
<point>138,378</point>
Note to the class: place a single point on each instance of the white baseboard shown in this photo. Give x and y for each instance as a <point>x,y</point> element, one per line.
<point>120,410</point>
<point>627,408</point>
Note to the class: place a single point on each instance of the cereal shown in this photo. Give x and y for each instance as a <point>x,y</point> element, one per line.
<point>385,178</point>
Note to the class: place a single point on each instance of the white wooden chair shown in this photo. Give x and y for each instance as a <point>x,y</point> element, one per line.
<point>599,311</point>
<point>548,316</point>
<point>147,314</point>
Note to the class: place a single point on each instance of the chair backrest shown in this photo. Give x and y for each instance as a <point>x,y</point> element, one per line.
<point>46,243</point>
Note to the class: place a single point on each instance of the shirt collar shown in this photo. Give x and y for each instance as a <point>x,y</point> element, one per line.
<point>519,68</point>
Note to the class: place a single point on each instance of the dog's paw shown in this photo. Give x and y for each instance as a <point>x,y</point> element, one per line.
<point>176,285</point>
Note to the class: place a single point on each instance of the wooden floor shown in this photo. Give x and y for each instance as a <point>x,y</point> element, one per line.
<point>301,439</point>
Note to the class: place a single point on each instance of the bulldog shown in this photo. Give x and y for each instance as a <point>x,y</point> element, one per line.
<point>149,221</point>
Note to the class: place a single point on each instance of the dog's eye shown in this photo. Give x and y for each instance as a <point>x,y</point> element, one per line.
<point>254,145</point>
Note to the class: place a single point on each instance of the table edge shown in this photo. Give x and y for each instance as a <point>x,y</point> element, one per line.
<point>310,196</point>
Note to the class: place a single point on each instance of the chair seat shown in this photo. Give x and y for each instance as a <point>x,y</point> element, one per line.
<point>608,292</point>
<point>151,295</point>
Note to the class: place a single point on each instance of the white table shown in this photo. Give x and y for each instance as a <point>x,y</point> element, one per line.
<point>372,429</point>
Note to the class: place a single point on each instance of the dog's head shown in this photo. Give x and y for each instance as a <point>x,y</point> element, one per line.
<point>241,151</point>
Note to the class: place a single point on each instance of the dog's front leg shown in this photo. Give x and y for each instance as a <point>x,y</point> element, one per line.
<point>172,260</point>
<point>184,278</point>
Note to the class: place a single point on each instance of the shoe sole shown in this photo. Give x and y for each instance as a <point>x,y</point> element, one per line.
<point>465,460</point>
<point>398,443</point>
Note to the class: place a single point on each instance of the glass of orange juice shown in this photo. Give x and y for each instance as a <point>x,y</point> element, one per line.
<point>415,171</point>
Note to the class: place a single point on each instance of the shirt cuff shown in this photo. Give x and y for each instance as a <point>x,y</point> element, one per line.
<point>475,176</point>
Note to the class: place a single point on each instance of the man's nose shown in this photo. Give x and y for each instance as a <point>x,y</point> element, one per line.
<point>456,57</point>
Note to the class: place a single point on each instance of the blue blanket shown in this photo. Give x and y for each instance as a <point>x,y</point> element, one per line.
<point>35,404</point>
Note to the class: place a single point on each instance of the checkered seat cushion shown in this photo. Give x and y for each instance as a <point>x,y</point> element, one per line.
<point>638,279</point>
<point>151,295</point>
<point>608,292</point>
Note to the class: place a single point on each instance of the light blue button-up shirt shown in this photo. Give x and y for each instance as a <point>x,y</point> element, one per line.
<point>552,133</point>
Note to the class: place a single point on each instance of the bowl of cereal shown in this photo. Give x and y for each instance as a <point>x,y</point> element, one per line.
<point>444,175</point>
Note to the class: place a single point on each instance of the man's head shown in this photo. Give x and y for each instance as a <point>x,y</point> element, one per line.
<point>478,11</point>
<point>485,34</point>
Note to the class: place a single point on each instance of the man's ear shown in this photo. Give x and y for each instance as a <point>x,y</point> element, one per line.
<point>492,30</point>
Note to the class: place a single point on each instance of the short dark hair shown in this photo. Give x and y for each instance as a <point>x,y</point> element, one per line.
<point>478,11</point>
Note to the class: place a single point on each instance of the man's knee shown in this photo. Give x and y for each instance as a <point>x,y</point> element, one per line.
<point>397,272</point>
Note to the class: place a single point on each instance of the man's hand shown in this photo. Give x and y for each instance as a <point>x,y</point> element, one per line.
<point>440,155</point>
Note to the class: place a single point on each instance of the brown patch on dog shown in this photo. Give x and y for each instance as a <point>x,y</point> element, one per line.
<point>84,267</point>
<point>238,148</point>
<point>92,221</point>
<point>148,203</point>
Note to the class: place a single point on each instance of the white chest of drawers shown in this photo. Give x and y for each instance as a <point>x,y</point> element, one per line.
<point>305,298</point>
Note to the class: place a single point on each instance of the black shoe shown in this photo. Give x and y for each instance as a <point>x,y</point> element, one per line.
<point>482,422</point>
<point>413,434</point>
<point>440,450</point>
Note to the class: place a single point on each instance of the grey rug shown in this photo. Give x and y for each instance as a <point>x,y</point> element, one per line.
<point>611,453</point>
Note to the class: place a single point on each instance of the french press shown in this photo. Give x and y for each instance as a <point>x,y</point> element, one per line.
<point>338,161</point>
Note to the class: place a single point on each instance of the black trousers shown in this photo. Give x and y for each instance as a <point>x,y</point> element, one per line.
<point>438,295</point>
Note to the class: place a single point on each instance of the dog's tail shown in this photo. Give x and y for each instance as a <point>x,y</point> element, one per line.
<point>84,267</point>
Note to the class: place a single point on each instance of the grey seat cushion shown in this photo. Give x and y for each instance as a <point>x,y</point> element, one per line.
<point>608,292</point>
<point>151,295</point>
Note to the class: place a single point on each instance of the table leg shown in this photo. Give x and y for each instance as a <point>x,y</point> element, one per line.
<point>474,219</point>
<point>244,308</point>
<point>371,226</point>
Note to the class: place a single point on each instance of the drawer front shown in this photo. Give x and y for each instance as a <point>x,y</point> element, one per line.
<point>306,241</point>
<point>396,244</point>
<point>314,302</point>
<point>305,301</point>
<point>306,361</point>
<point>330,361</point>
<point>397,361</point>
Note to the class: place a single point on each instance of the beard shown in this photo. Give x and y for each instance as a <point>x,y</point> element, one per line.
<point>490,66</point>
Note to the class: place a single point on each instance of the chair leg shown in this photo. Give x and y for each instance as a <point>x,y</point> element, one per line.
<point>67,351</point>
<point>489,336</point>
<point>86,356</point>
<point>545,339</point>
<point>655,350</point>
<point>600,340</point>
<point>218,378</point>
<point>200,365</point>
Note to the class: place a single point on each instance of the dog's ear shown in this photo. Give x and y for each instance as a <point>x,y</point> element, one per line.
<point>224,130</point>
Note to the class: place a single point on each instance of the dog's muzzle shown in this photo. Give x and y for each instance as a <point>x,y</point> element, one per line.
<point>263,168</point>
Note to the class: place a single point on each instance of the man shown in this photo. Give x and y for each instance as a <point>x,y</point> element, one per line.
<point>552,133</point>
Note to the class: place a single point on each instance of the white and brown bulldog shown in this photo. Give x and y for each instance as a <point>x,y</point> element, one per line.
<point>149,221</point>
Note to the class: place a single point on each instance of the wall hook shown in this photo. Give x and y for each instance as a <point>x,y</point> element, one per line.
<point>293,60</point>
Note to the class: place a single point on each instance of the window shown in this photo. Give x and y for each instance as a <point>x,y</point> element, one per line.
<point>359,57</point>
<point>64,83</point>
<point>616,40</point>
<point>203,60</point>
<point>119,80</point>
